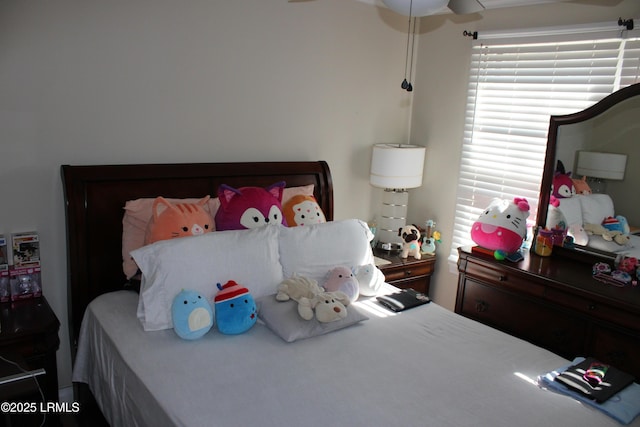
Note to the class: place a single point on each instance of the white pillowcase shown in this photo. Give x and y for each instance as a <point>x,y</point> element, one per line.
<point>311,251</point>
<point>571,208</point>
<point>598,242</point>
<point>283,319</point>
<point>250,257</point>
<point>596,207</point>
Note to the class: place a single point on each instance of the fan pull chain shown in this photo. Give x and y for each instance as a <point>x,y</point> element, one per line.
<point>413,48</point>
<point>406,84</point>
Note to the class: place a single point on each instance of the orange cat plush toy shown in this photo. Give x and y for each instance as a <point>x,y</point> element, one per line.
<point>171,220</point>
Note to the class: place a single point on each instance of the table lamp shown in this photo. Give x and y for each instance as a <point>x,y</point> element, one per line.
<point>396,168</point>
<point>598,167</point>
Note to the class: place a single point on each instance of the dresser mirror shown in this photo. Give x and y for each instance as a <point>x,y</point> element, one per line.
<point>610,126</point>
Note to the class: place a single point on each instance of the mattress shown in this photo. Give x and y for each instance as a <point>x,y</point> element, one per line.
<point>423,367</point>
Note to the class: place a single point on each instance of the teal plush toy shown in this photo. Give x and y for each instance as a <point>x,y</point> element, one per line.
<point>191,314</point>
<point>236,310</point>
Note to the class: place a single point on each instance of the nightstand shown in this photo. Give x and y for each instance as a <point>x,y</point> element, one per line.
<point>30,334</point>
<point>407,272</point>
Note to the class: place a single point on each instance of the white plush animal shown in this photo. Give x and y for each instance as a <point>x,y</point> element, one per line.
<point>608,235</point>
<point>370,279</point>
<point>311,298</point>
<point>410,241</point>
<point>327,306</point>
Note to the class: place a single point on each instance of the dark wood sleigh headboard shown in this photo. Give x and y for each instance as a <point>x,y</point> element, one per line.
<point>95,197</point>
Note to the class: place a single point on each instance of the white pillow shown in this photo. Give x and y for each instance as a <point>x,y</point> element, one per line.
<point>596,207</point>
<point>283,319</point>
<point>311,251</point>
<point>571,208</point>
<point>250,257</point>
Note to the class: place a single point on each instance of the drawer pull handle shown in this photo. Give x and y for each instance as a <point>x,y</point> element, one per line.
<point>481,306</point>
<point>407,273</point>
<point>592,307</point>
<point>502,278</point>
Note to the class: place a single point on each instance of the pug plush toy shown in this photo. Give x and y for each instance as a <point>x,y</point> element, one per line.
<point>410,241</point>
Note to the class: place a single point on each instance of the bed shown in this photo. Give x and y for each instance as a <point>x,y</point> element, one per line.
<point>425,366</point>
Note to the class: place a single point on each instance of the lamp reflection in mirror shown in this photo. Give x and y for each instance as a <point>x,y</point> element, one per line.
<point>396,168</point>
<point>598,167</point>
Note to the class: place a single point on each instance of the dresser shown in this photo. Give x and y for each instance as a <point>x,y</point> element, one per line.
<point>555,303</point>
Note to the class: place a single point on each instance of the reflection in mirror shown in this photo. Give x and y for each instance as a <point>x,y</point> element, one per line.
<point>611,126</point>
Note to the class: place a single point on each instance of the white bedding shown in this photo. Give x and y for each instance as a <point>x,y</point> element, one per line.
<point>631,249</point>
<point>424,367</point>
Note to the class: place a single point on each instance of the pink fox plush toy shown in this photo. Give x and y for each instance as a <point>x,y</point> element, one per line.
<point>249,207</point>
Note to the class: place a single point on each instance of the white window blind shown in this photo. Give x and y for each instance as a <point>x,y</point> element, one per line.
<point>515,84</point>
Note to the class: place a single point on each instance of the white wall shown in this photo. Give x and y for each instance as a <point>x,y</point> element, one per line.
<point>440,100</point>
<point>138,81</point>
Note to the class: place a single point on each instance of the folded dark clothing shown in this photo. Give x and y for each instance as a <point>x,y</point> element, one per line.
<point>623,406</point>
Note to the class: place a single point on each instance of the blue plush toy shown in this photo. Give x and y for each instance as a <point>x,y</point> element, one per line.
<point>192,315</point>
<point>235,308</point>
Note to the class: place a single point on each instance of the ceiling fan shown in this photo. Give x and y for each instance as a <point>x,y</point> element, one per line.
<point>458,7</point>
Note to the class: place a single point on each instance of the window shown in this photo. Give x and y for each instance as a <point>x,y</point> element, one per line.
<point>517,81</point>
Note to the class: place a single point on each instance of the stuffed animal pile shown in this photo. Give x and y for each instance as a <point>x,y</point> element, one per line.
<point>193,316</point>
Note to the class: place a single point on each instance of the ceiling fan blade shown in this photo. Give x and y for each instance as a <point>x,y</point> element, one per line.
<point>462,7</point>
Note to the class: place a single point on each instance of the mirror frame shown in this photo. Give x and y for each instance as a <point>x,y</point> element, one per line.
<point>559,120</point>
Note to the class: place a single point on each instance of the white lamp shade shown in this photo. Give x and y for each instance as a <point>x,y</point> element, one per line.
<point>601,165</point>
<point>416,7</point>
<point>397,166</point>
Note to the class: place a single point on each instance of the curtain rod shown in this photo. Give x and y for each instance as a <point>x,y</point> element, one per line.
<point>598,27</point>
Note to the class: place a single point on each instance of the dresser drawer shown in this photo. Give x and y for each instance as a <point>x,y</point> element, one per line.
<point>420,284</point>
<point>594,309</point>
<point>407,272</point>
<point>616,348</point>
<point>496,275</point>
<point>523,317</point>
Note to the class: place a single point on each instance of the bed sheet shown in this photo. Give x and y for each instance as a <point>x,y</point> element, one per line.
<point>423,367</point>
<point>633,248</point>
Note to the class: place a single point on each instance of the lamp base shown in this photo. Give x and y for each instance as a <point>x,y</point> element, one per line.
<point>389,247</point>
<point>393,217</point>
